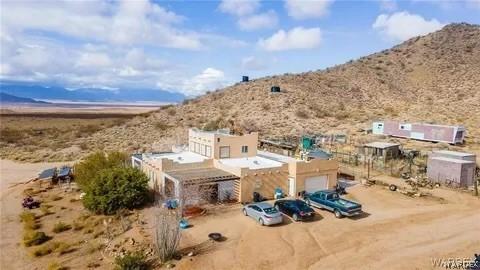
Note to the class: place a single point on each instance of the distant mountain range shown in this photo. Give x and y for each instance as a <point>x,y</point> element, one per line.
<point>34,91</point>
<point>6,98</point>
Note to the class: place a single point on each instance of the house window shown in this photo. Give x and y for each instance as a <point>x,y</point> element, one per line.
<point>208,151</point>
<point>245,149</point>
<point>224,151</point>
<point>218,139</point>
<point>203,150</point>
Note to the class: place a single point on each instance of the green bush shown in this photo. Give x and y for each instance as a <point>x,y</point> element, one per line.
<point>132,261</point>
<point>114,189</point>
<point>61,227</point>
<point>86,170</point>
<point>34,238</point>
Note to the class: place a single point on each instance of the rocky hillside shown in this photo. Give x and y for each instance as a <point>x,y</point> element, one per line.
<point>434,78</point>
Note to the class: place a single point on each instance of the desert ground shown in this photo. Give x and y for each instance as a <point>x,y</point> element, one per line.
<point>396,232</point>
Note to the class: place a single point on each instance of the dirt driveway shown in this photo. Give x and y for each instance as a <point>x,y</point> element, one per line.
<point>12,174</point>
<point>398,232</point>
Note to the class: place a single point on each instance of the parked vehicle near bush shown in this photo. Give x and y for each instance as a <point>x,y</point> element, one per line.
<point>263,212</point>
<point>297,209</point>
<point>330,200</point>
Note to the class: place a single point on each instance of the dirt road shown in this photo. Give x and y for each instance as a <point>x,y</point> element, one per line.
<point>12,174</point>
<point>398,232</point>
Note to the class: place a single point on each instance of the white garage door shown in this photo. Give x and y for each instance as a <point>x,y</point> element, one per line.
<point>316,183</point>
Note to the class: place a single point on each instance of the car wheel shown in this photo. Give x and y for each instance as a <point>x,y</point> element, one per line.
<point>295,217</point>
<point>308,202</point>
<point>245,212</point>
<point>337,213</point>
<point>260,220</point>
<point>392,187</point>
<point>277,207</point>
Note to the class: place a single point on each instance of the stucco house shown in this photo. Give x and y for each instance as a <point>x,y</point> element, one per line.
<point>229,167</point>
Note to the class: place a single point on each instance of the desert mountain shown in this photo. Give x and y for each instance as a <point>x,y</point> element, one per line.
<point>433,78</point>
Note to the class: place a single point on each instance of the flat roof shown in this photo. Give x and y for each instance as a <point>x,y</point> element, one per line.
<point>454,153</point>
<point>201,175</point>
<point>381,144</point>
<point>275,156</point>
<point>256,162</point>
<point>180,157</point>
<point>453,160</point>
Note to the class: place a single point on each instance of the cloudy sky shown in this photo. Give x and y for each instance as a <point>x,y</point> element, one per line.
<point>195,46</point>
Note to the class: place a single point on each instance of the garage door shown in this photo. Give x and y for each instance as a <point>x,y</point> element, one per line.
<point>316,183</point>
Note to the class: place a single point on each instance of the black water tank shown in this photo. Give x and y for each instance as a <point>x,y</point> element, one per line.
<point>275,89</point>
<point>244,78</point>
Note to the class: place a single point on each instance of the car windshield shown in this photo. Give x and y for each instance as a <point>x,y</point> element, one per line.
<point>270,210</point>
<point>302,206</point>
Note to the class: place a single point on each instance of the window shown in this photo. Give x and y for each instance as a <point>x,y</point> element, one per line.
<point>224,151</point>
<point>203,149</point>
<point>197,148</point>
<point>245,149</point>
<point>208,151</point>
<point>218,139</point>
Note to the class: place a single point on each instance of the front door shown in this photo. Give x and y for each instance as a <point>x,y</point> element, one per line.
<point>291,186</point>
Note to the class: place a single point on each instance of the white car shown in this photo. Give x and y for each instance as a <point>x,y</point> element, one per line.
<point>263,213</point>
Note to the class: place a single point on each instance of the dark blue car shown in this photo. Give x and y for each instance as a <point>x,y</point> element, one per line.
<point>330,200</point>
<point>297,209</point>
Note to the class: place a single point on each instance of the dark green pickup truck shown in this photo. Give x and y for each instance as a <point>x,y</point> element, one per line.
<point>330,200</point>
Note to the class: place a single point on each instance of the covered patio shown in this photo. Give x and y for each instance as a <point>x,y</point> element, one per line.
<point>201,185</point>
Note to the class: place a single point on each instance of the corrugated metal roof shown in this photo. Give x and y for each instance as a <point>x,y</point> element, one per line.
<point>201,175</point>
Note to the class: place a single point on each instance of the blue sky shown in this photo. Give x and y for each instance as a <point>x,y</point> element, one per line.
<point>195,46</point>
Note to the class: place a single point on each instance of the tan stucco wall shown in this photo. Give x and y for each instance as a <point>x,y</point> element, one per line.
<point>302,170</point>
<point>216,140</point>
<point>263,181</point>
<point>236,143</point>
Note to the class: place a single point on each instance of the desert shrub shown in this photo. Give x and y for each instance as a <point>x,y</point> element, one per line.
<point>29,220</point>
<point>171,111</point>
<point>266,106</point>
<point>56,198</point>
<point>87,169</point>
<point>116,188</point>
<point>56,266</point>
<point>9,135</point>
<point>34,238</point>
<point>161,126</point>
<point>63,248</point>
<point>301,113</point>
<point>77,226</point>
<point>61,227</point>
<point>132,261</point>
<point>214,124</point>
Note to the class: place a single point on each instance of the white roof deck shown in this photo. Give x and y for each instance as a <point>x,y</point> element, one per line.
<point>181,157</point>
<point>253,163</point>
<point>275,156</point>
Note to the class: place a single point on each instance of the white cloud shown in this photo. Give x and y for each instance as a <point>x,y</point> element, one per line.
<point>403,25</point>
<point>296,38</point>
<point>239,7</point>
<point>253,63</point>
<point>258,21</point>
<point>209,79</point>
<point>124,22</point>
<point>307,9</point>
